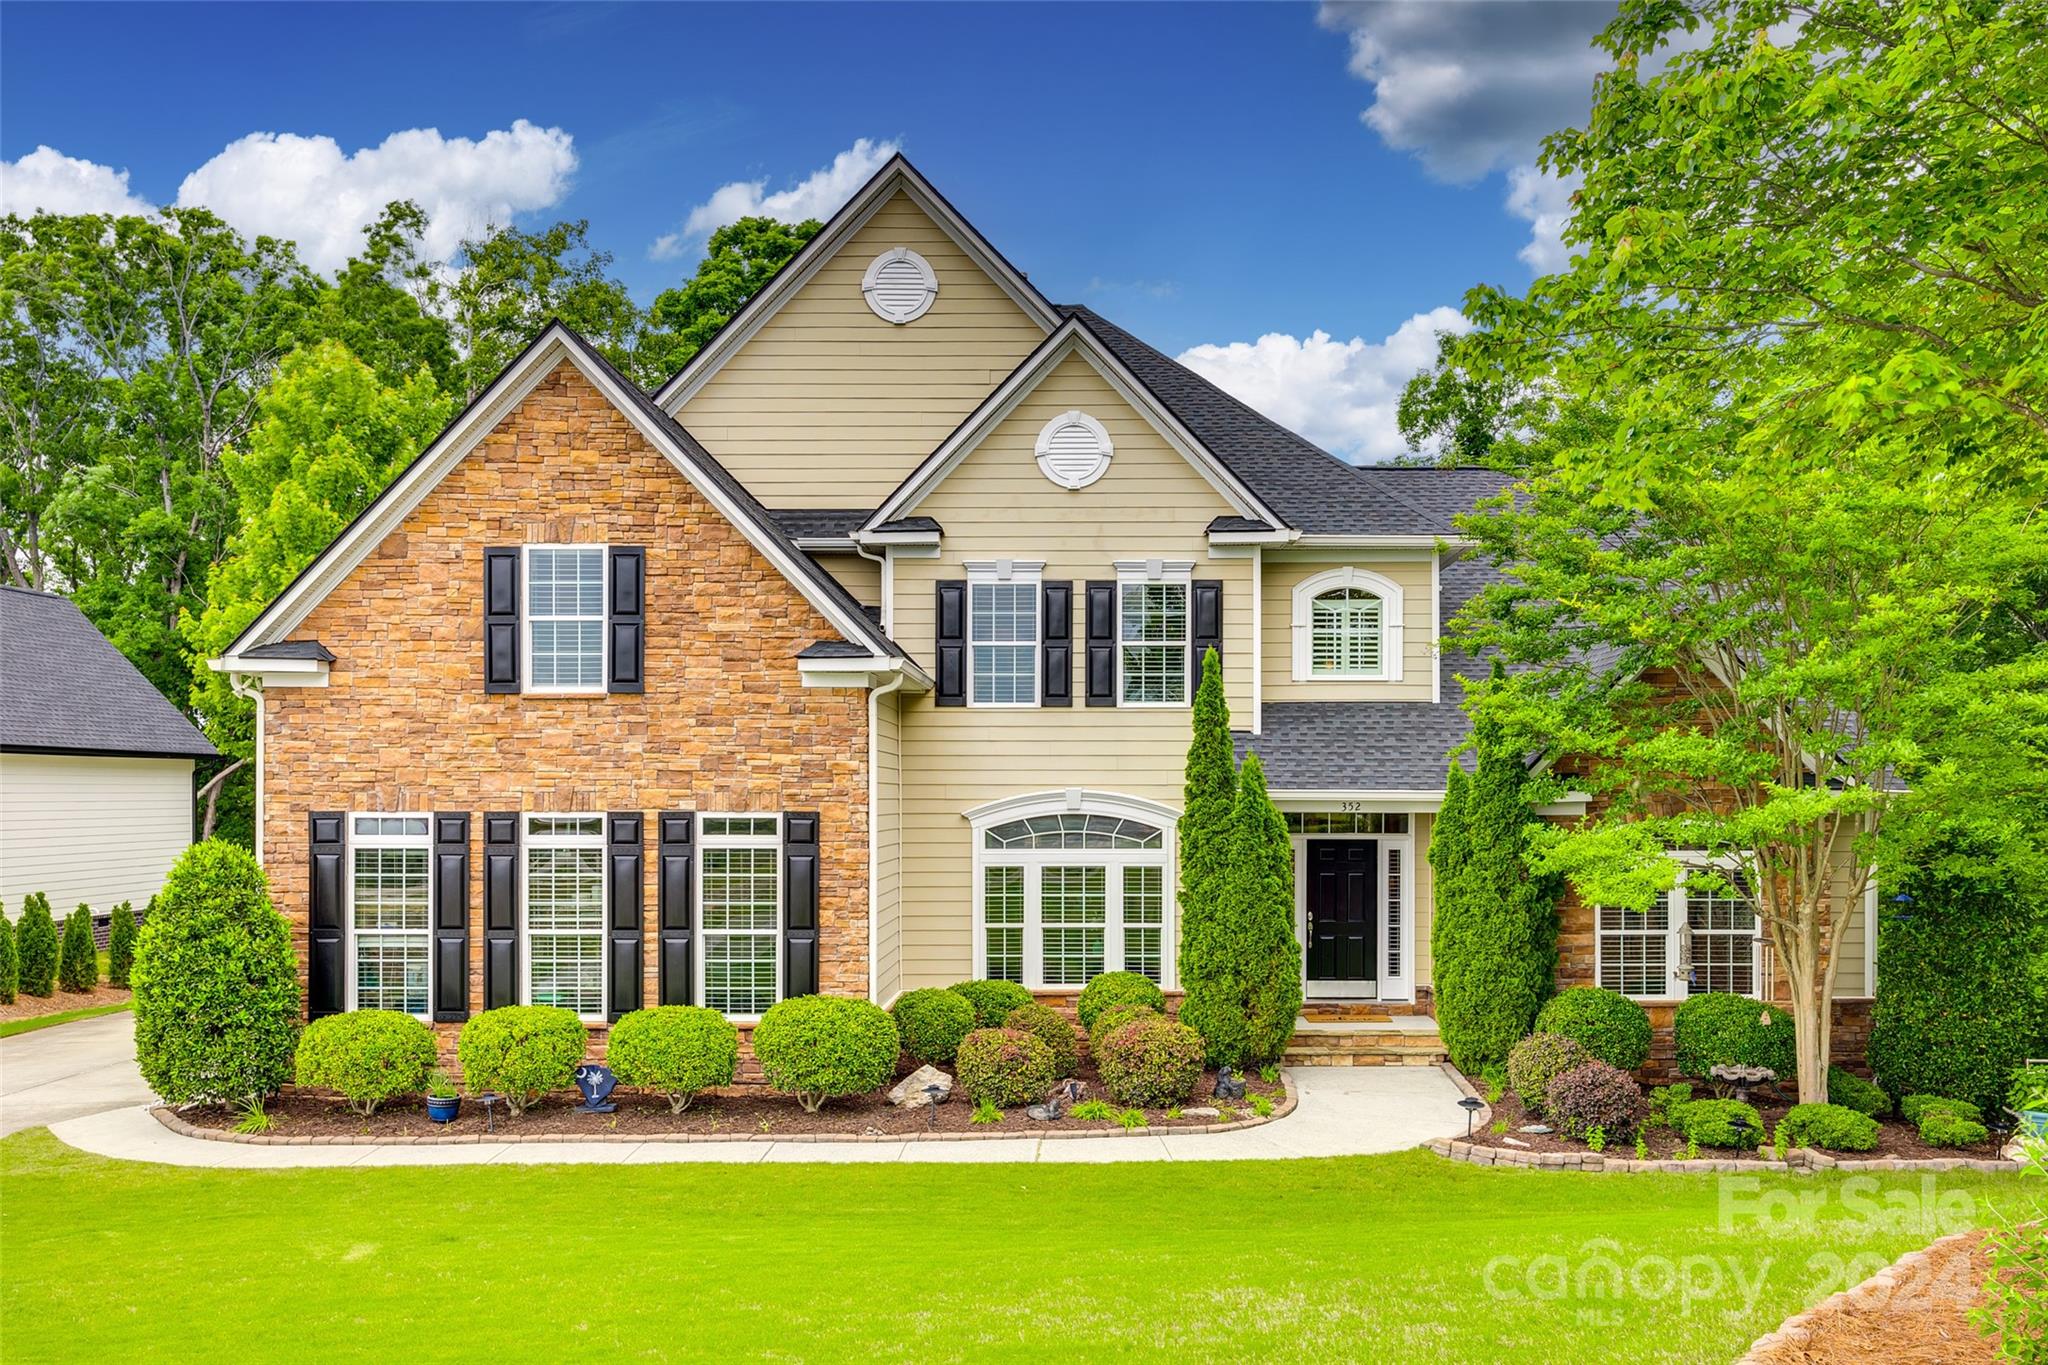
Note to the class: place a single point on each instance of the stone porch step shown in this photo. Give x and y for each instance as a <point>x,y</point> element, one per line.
<point>1397,1040</point>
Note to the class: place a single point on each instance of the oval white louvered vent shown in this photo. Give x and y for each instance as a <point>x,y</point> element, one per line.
<point>899,286</point>
<point>1074,450</point>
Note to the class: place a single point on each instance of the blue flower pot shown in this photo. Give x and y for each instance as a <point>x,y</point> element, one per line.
<point>2034,1123</point>
<point>442,1110</point>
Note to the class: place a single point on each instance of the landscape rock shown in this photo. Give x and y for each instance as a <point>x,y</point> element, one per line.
<point>1201,1111</point>
<point>1534,1128</point>
<point>1515,1142</point>
<point>910,1092</point>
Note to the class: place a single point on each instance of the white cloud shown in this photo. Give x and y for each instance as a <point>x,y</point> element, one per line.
<point>818,195</point>
<point>52,182</point>
<point>1340,394</point>
<point>1544,201</point>
<point>308,190</point>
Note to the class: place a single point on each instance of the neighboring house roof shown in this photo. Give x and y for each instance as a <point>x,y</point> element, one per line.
<point>64,688</point>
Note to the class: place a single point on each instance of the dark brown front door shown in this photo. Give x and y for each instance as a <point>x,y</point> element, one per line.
<point>1343,931</point>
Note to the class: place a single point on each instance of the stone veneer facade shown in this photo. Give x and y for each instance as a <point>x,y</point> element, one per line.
<point>725,724</point>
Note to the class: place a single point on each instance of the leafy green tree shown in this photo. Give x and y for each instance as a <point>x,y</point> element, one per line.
<point>1259,884</point>
<point>329,436</point>
<point>78,961</point>
<point>1493,938</point>
<point>36,938</point>
<point>10,961</point>
<point>382,303</point>
<point>511,283</point>
<point>739,259</point>
<point>1203,837</point>
<point>120,945</point>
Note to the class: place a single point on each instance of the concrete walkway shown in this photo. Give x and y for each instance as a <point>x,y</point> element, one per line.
<point>67,1070</point>
<point>1344,1111</point>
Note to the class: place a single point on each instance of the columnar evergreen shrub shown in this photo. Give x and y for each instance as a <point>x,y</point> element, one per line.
<point>10,960</point>
<point>519,1051</point>
<point>367,1056</point>
<point>120,945</point>
<point>676,1050</point>
<point>1851,1091</point>
<point>1246,998</point>
<point>216,984</point>
<point>1956,975</point>
<point>1004,1067</point>
<point>1539,1059</point>
<point>78,960</point>
<point>1732,1030</point>
<point>1830,1127</point>
<point>36,938</point>
<point>1117,988</point>
<point>1050,1027</point>
<point>1214,1001</point>
<point>931,1023</point>
<point>992,1000</point>
<point>1606,1023</point>
<point>1493,941</point>
<point>1593,1095</point>
<point>1150,1062</point>
<point>818,1047</point>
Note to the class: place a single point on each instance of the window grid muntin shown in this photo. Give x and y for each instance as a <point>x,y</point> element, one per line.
<point>390,913</point>
<point>565,618</point>
<point>1074,923</point>
<point>1144,920</point>
<point>1722,931</point>
<point>1346,822</point>
<point>1347,634</point>
<point>1002,643</point>
<point>740,913</point>
<point>1153,643</point>
<point>563,910</point>
<point>1002,909</point>
<point>1634,954</point>
<point>1073,829</point>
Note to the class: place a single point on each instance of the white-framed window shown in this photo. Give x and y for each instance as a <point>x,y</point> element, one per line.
<point>1066,893</point>
<point>740,913</point>
<point>1347,627</point>
<point>390,902</point>
<point>1074,450</point>
<point>900,286</point>
<point>1152,633</point>
<point>562,935</point>
<point>565,618</point>
<point>1695,939</point>
<point>1003,632</point>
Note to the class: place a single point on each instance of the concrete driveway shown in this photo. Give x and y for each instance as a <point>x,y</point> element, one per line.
<point>69,1071</point>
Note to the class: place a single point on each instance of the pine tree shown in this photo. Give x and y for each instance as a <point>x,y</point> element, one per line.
<point>10,960</point>
<point>78,961</point>
<point>1208,936</point>
<point>1261,878</point>
<point>36,939</point>
<point>120,945</point>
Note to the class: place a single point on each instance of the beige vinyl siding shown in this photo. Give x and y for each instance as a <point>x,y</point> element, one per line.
<point>1413,571</point>
<point>1850,979</point>
<point>92,831</point>
<point>859,575</point>
<point>888,836</point>
<point>1150,504</point>
<point>830,406</point>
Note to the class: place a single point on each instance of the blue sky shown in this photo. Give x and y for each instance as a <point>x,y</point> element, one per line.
<point>1202,174</point>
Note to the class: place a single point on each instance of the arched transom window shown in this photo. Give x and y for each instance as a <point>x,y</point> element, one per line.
<point>1347,625</point>
<point>1070,886</point>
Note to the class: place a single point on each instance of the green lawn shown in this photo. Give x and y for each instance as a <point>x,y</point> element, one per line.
<point>1380,1257</point>
<point>10,1027</point>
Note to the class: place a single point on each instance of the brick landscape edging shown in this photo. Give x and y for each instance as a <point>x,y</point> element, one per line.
<point>1798,1159</point>
<point>1793,1331</point>
<point>169,1118</point>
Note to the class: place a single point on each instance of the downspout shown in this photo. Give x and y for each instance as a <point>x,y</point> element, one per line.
<point>875,695</point>
<point>253,692</point>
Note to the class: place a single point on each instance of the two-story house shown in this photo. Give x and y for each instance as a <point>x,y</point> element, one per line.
<point>859,659</point>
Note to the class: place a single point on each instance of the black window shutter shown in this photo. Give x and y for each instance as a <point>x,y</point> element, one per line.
<point>625,862</point>
<point>451,916</point>
<point>1205,626</point>
<point>678,863</point>
<point>501,620</point>
<point>628,619</point>
<point>1056,610</point>
<point>1101,643</point>
<point>800,904</point>
<point>949,625</point>
<point>501,909</point>
<point>326,916</point>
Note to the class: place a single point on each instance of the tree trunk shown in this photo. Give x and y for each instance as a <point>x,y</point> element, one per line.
<point>211,792</point>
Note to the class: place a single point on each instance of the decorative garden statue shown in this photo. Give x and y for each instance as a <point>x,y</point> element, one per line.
<point>597,1083</point>
<point>1229,1085</point>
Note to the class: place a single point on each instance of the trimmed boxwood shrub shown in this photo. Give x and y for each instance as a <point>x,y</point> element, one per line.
<point>367,1057</point>
<point>1711,1123</point>
<point>120,945</point>
<point>1593,1095</point>
<point>1537,1060</point>
<point>216,984</point>
<point>1915,1108</point>
<point>1004,1067</point>
<point>1117,988</point>
<point>1732,1030</point>
<point>1830,1127</point>
<point>10,961</point>
<point>1151,1063</point>
<point>818,1047</point>
<point>1050,1027</point>
<point>1115,1017</point>
<point>1851,1091</point>
<point>932,1022</point>
<point>1946,1128</point>
<point>677,1050</point>
<point>520,1051</point>
<point>992,1000</point>
<point>1606,1023</point>
<point>36,939</point>
<point>78,960</point>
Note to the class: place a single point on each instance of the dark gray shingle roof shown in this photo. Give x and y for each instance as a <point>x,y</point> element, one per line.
<point>65,688</point>
<point>834,649</point>
<point>819,523</point>
<point>291,649</point>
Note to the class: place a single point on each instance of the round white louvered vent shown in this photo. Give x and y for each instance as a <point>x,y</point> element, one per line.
<point>899,286</point>
<point>1074,450</point>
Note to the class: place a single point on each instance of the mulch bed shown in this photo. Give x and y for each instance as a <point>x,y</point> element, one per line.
<point>1894,1138</point>
<point>738,1113</point>
<point>1917,1320</point>
<point>62,1001</point>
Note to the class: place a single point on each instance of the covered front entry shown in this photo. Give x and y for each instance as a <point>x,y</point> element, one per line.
<point>1343,912</point>
<point>1354,873</point>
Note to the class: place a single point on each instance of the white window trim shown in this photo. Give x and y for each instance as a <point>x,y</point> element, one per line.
<point>872,276</point>
<point>707,841</point>
<point>1678,933</point>
<point>528,840</point>
<point>420,841</point>
<point>1042,448</point>
<point>1137,571</point>
<point>604,634</point>
<point>1392,622</point>
<point>983,572</point>
<point>1076,801</point>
